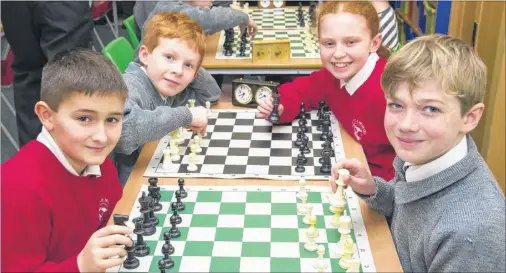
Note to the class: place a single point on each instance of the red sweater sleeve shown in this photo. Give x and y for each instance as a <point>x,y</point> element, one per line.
<point>26,228</point>
<point>303,89</point>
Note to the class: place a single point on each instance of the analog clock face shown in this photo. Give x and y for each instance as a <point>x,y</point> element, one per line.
<point>265,3</point>
<point>243,94</point>
<point>278,3</point>
<point>262,93</point>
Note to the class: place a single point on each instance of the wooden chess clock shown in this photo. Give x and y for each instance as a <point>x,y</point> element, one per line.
<point>269,4</point>
<point>270,51</point>
<point>247,93</point>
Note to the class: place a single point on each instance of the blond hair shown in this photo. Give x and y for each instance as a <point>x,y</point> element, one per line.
<point>175,25</point>
<point>449,61</point>
<point>364,9</point>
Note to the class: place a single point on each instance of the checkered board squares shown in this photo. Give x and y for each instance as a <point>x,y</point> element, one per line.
<point>300,47</point>
<point>278,18</point>
<point>249,229</point>
<point>238,145</point>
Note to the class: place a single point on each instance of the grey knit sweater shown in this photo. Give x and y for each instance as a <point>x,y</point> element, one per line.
<point>148,117</point>
<point>211,20</point>
<point>453,221</point>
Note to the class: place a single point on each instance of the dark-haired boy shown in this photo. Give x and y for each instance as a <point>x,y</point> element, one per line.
<point>58,191</point>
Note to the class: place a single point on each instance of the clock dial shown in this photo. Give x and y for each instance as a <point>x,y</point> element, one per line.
<point>243,94</point>
<point>278,3</point>
<point>265,3</point>
<point>262,93</point>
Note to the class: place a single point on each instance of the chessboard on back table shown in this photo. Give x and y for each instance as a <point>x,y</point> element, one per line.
<point>238,145</point>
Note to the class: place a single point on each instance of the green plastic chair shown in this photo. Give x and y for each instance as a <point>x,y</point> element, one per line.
<point>130,26</point>
<point>120,52</point>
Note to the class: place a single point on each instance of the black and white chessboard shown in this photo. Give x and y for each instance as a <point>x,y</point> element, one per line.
<point>278,18</point>
<point>238,145</point>
<point>300,46</point>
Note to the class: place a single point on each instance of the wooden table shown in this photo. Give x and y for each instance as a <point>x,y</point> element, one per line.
<point>383,250</point>
<point>246,66</point>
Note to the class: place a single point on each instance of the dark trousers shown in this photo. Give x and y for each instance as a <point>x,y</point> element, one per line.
<point>36,31</point>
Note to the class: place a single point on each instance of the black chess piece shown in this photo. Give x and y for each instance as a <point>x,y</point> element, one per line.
<point>131,262</point>
<point>147,224</point>
<point>228,52</point>
<point>175,215</point>
<point>305,142</point>
<point>298,141</point>
<point>326,165</point>
<point>161,266</point>
<point>174,231</point>
<point>154,193</point>
<point>141,248</point>
<point>302,124</point>
<point>325,127</point>
<point>166,237</point>
<point>180,205</point>
<point>169,263</point>
<point>274,116</point>
<point>152,216</point>
<point>302,111</point>
<point>180,183</point>
<point>119,219</point>
<point>300,166</point>
<point>301,157</point>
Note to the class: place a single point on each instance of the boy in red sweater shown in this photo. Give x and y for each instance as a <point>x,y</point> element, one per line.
<point>349,83</point>
<point>59,190</point>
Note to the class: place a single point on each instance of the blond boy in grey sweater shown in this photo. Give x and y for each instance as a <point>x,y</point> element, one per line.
<point>447,211</point>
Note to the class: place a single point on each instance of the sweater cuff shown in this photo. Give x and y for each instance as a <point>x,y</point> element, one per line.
<point>381,190</point>
<point>185,114</point>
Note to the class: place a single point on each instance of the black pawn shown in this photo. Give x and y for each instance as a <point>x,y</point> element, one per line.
<point>298,141</point>
<point>175,215</point>
<point>180,205</point>
<point>300,166</point>
<point>274,116</point>
<point>326,165</point>
<point>302,158</point>
<point>161,266</point>
<point>302,111</point>
<point>141,248</point>
<point>130,262</point>
<point>180,182</point>
<point>174,231</point>
<point>169,263</point>
<point>166,237</point>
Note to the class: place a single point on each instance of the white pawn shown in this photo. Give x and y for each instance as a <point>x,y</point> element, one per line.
<point>302,206</point>
<point>174,151</point>
<point>311,233</point>
<point>320,264</point>
<point>166,159</point>
<point>192,166</point>
<point>208,107</point>
<point>179,136</point>
<point>302,187</point>
<point>307,218</point>
<point>197,139</point>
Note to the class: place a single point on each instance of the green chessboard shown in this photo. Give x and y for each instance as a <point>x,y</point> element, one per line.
<point>249,229</point>
<point>278,18</point>
<point>300,47</point>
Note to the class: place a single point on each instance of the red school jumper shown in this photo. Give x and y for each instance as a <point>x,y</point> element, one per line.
<point>361,114</point>
<point>48,214</point>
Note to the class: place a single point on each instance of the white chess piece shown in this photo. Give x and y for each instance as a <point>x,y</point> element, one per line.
<point>166,159</point>
<point>245,8</point>
<point>311,234</point>
<point>302,186</point>
<point>179,135</point>
<point>302,206</point>
<point>208,107</point>
<point>197,140</point>
<point>345,230</point>
<point>174,151</point>
<point>354,266</point>
<point>320,265</point>
<point>307,218</point>
<point>192,160</point>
